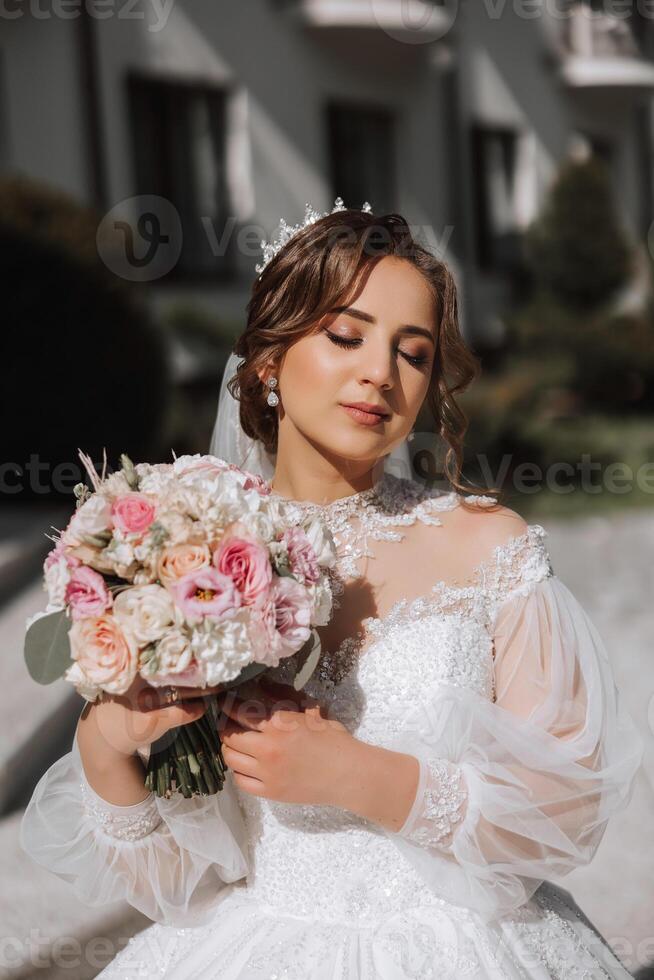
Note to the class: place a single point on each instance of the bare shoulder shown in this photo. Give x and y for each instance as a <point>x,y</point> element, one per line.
<point>488,526</point>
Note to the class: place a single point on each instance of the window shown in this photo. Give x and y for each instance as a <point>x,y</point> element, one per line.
<point>178,134</point>
<point>497,198</point>
<point>362,155</point>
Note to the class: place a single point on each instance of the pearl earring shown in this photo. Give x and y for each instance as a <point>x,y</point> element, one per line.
<point>272,398</point>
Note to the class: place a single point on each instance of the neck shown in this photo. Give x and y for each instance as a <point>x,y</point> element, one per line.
<point>323,482</point>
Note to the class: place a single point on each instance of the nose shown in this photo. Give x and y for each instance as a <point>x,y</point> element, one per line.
<point>378,366</point>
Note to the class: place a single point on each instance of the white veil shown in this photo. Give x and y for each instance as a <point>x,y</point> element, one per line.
<point>229,441</point>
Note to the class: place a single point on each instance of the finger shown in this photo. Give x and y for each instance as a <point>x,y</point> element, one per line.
<point>239,762</point>
<point>240,740</point>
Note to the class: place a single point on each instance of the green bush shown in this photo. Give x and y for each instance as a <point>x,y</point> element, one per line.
<point>83,366</point>
<point>576,248</point>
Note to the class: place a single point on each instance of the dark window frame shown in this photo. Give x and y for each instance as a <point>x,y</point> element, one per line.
<point>487,252</point>
<point>169,98</point>
<point>380,114</point>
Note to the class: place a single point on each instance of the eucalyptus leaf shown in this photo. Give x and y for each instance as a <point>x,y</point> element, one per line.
<point>47,647</point>
<point>310,663</point>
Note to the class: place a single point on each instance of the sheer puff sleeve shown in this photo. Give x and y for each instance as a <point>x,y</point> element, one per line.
<point>169,858</point>
<point>518,789</point>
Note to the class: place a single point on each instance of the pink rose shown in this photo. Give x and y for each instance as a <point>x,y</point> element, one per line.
<point>247,564</point>
<point>86,593</point>
<point>106,655</point>
<point>132,512</point>
<point>303,559</point>
<point>206,592</point>
<point>283,624</point>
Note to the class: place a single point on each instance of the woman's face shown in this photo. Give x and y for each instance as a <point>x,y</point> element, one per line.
<point>380,351</point>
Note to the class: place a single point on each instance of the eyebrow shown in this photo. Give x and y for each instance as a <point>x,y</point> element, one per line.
<point>406,328</point>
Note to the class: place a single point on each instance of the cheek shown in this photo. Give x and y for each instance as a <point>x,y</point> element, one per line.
<point>312,373</point>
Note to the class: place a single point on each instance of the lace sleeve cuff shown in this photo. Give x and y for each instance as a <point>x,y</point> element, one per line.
<point>439,806</point>
<point>127,823</point>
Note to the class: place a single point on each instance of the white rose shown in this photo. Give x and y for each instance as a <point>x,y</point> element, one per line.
<point>93,517</point>
<point>224,649</point>
<point>57,577</point>
<point>147,611</point>
<point>174,652</point>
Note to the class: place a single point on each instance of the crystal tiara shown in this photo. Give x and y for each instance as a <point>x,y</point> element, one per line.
<point>286,231</point>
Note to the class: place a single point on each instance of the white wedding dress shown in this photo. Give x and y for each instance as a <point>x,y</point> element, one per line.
<point>464,649</point>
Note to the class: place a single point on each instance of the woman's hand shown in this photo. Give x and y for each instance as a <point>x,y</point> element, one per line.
<point>123,723</point>
<point>280,744</point>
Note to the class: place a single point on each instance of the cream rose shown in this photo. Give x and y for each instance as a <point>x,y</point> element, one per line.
<point>147,611</point>
<point>106,655</point>
<point>178,560</point>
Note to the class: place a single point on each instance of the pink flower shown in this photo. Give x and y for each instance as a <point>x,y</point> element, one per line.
<point>248,565</point>
<point>86,593</point>
<point>206,592</point>
<point>58,553</point>
<point>106,656</point>
<point>255,482</point>
<point>303,559</point>
<point>132,512</point>
<point>283,624</point>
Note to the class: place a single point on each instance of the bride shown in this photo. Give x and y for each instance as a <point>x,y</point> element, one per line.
<point>461,744</point>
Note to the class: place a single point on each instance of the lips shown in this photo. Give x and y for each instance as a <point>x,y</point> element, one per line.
<point>364,416</point>
<point>368,408</point>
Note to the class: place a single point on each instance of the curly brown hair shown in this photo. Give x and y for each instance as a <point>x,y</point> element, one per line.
<point>322,266</point>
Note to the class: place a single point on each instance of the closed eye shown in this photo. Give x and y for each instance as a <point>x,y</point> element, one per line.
<point>357,341</point>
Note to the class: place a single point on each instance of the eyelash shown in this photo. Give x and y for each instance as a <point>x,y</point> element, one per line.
<point>351,342</point>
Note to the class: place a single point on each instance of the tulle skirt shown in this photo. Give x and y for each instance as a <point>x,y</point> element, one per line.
<point>548,937</point>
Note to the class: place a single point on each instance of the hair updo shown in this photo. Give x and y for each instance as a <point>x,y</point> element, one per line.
<point>322,266</point>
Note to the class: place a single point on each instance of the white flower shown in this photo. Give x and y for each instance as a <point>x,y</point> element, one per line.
<point>147,611</point>
<point>322,600</point>
<point>93,517</point>
<point>223,649</point>
<point>83,686</point>
<point>120,554</point>
<point>322,542</point>
<point>179,527</point>
<point>116,484</point>
<point>174,652</point>
<point>57,577</point>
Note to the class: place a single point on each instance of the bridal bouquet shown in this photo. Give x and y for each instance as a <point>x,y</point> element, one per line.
<point>186,573</point>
